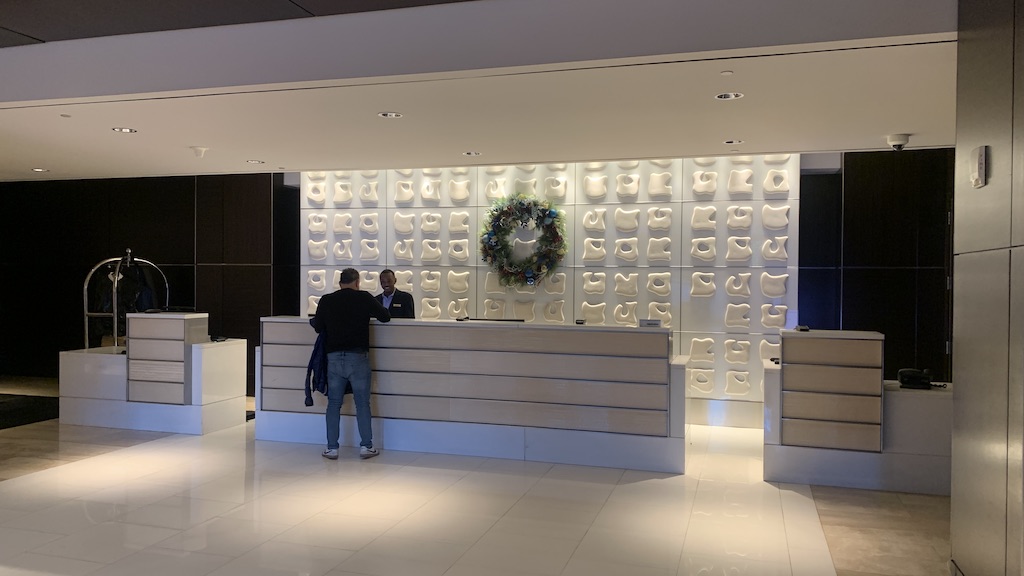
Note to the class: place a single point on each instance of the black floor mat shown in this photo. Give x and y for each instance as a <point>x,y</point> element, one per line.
<point>16,410</point>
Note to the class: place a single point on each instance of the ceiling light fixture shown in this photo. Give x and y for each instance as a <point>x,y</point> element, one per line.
<point>727,72</point>
<point>40,170</point>
<point>254,161</point>
<point>471,153</point>
<point>729,96</point>
<point>390,115</point>
<point>733,142</point>
<point>125,130</point>
<point>65,115</point>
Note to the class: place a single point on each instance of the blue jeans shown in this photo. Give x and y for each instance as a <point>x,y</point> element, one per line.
<point>344,368</point>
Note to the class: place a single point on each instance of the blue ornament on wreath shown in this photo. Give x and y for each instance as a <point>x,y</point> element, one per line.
<point>526,212</point>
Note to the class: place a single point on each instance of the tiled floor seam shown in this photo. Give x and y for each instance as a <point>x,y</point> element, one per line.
<point>790,546</point>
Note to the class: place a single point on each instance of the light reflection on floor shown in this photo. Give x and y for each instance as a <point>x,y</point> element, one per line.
<point>118,502</point>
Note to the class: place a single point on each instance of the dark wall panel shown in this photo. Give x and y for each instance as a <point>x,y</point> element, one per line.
<point>84,235</point>
<point>182,279</point>
<point>209,222</point>
<point>897,254</point>
<point>896,208</point>
<point>286,225</point>
<point>155,217</point>
<point>247,298</point>
<point>286,291</point>
<point>879,221</point>
<point>931,175</point>
<point>819,298</point>
<point>286,249</point>
<point>248,222</point>
<point>53,233</point>
<point>875,250</point>
<point>235,247</point>
<point>884,300</point>
<point>210,295</point>
<point>236,297</point>
<point>821,220</point>
<point>243,234</point>
<point>934,326</point>
<point>56,232</point>
<point>821,242</point>
<point>41,318</point>
<point>34,225</point>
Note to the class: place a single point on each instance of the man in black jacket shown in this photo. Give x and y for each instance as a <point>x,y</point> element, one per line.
<point>398,303</point>
<point>343,317</point>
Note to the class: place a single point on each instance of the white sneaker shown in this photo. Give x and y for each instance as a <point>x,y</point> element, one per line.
<point>365,452</point>
<point>330,453</point>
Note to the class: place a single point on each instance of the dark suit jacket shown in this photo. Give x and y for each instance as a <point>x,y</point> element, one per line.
<point>402,305</point>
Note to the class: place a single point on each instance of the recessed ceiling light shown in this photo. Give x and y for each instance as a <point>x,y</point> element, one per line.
<point>729,96</point>
<point>390,115</point>
<point>471,153</point>
<point>254,161</point>
<point>65,115</point>
<point>727,72</point>
<point>733,142</point>
<point>125,130</point>
<point>40,170</point>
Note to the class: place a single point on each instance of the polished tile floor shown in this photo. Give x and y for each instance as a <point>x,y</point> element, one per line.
<point>225,504</point>
<point>884,533</point>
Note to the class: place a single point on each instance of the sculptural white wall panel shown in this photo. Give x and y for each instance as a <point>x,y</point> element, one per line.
<point>627,235</point>
<point>631,294</point>
<point>431,188</point>
<point>717,355</point>
<point>629,182</point>
<point>433,236</point>
<point>710,298</point>
<point>348,237</point>
<point>707,245</point>
<point>737,178</point>
<point>554,182</point>
<point>737,233</point>
<point>551,302</point>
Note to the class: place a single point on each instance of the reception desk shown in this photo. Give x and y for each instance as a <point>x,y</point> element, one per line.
<point>572,394</point>
<point>171,378</point>
<point>831,420</point>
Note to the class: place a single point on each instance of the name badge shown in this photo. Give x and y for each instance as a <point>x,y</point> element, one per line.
<point>396,305</point>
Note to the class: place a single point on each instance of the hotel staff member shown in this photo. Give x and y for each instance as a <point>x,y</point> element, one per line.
<point>398,303</point>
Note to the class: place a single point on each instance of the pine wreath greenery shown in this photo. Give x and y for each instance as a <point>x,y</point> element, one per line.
<point>527,212</point>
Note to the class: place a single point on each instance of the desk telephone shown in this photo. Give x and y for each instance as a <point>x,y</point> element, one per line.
<point>914,378</point>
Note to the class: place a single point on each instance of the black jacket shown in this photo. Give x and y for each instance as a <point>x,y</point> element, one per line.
<point>402,305</point>
<point>344,316</point>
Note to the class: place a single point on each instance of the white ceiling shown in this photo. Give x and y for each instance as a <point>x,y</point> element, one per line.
<point>822,97</point>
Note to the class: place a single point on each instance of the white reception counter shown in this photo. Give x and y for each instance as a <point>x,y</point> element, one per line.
<point>171,378</point>
<point>830,419</point>
<point>572,394</point>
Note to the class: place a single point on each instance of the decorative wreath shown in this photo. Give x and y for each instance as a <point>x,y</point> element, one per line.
<point>526,212</point>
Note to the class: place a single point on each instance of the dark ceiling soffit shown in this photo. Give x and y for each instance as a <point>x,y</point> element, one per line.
<point>9,38</point>
<point>333,7</point>
<point>91,20</point>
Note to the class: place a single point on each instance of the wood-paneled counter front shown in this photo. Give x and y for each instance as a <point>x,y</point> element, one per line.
<point>577,379</point>
<point>172,378</point>
<point>830,421</point>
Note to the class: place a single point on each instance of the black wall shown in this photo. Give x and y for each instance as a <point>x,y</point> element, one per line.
<point>213,236</point>
<point>876,252</point>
